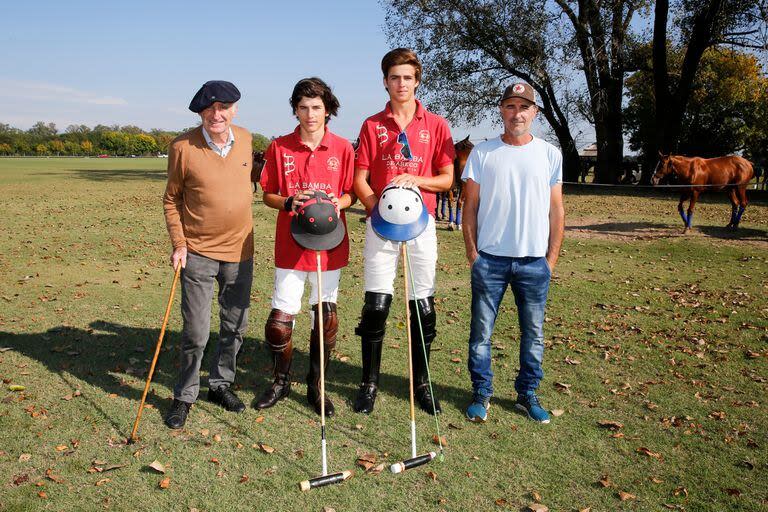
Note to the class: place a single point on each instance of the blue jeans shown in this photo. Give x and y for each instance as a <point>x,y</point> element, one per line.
<point>529,279</point>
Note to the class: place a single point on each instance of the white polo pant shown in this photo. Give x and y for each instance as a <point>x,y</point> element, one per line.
<point>382,257</point>
<point>289,288</point>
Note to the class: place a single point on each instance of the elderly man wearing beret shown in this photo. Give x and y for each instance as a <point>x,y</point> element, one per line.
<point>207,205</point>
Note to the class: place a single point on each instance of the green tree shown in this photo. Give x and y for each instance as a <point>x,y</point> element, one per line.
<point>86,147</point>
<point>142,144</point>
<point>697,25</point>
<point>260,142</point>
<point>723,112</point>
<point>42,131</point>
<point>41,149</point>
<point>57,147</point>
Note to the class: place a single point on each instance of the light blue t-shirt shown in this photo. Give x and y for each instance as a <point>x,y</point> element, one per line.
<point>515,182</point>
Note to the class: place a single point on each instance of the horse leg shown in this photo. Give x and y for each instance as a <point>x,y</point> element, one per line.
<point>683,197</point>
<point>691,205</point>
<point>459,206</point>
<point>734,207</point>
<point>742,206</point>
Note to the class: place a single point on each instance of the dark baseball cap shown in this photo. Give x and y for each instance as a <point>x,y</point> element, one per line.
<point>519,90</point>
<point>316,225</point>
<point>211,92</point>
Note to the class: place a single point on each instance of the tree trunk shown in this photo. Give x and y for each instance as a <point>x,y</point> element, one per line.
<point>608,132</point>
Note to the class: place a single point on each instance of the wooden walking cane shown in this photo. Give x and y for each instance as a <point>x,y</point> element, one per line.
<point>157,353</point>
<point>325,478</point>
<point>415,459</point>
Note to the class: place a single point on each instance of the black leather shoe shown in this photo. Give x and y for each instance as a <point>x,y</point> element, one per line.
<point>313,397</point>
<point>226,398</point>
<point>277,391</point>
<point>177,415</point>
<point>425,399</point>
<point>366,397</point>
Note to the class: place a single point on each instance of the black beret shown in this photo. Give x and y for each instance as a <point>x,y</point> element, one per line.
<point>211,92</point>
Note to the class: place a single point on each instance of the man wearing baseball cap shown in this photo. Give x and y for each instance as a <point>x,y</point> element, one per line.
<point>207,205</point>
<point>407,146</point>
<point>513,229</point>
<point>298,164</point>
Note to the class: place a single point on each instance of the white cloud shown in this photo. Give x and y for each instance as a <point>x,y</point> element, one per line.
<point>20,90</point>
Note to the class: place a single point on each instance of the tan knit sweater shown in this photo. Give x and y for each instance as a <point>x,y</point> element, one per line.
<point>207,199</point>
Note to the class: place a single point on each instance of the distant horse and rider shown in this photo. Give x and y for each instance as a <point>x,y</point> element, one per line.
<point>463,149</point>
<point>729,173</point>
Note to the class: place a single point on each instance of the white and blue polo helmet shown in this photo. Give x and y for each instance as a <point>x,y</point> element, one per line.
<point>400,214</point>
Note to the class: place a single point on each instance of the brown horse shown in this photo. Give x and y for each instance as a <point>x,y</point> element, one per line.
<point>463,148</point>
<point>258,166</point>
<point>729,173</point>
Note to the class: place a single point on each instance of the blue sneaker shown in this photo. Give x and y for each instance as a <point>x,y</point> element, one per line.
<point>529,404</point>
<point>478,409</point>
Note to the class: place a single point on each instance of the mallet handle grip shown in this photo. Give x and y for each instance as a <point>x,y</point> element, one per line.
<point>320,481</point>
<point>399,467</point>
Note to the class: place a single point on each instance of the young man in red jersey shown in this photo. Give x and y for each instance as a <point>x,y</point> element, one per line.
<point>410,147</point>
<point>310,158</point>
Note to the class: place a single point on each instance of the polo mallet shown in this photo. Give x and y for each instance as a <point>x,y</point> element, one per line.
<point>415,460</point>
<point>157,353</point>
<point>325,478</point>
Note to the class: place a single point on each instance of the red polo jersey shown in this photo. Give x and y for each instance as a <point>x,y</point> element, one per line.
<point>380,153</point>
<point>291,166</point>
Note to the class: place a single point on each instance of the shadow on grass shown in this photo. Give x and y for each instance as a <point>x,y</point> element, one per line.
<point>116,359</point>
<point>655,230</point>
<point>120,174</point>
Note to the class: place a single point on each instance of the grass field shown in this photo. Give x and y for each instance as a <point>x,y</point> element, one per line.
<point>661,338</point>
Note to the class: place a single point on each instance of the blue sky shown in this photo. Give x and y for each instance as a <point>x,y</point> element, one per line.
<point>140,62</point>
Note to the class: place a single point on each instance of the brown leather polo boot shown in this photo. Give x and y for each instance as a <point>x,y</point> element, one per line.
<point>277,332</point>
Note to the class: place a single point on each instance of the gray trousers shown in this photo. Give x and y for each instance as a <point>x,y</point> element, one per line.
<point>197,283</point>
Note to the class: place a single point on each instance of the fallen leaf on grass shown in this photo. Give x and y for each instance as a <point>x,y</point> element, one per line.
<point>536,496</point>
<point>625,496</point>
<point>538,507</point>
<point>500,502</point>
<point>164,483</point>
<point>16,387</point>
<point>649,453</point>
<point>605,481</point>
<point>366,461</point>
<point>102,481</point>
<point>20,479</point>
<point>42,495</point>
<point>244,479</point>
<point>24,457</point>
<point>432,475</point>
<point>571,361</point>
<point>377,469</point>
<point>265,448</point>
<point>680,490</point>
<point>204,432</point>
<point>215,461</point>
<point>455,359</point>
<point>557,412</point>
<point>611,425</point>
<point>563,387</point>
<point>260,419</point>
<point>61,447</point>
<point>157,466</point>
<point>54,478</point>
<point>439,441</point>
<point>112,467</point>
<point>217,438</point>
<point>329,509</point>
<point>588,509</point>
<point>454,427</point>
<point>732,492</point>
<point>656,480</point>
